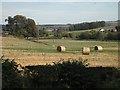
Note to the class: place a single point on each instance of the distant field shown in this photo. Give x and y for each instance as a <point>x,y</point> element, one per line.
<point>44,51</point>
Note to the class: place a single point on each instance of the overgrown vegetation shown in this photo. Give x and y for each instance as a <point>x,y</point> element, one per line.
<point>63,74</point>
<point>11,77</point>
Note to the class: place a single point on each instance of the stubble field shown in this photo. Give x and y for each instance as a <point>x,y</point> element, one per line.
<point>44,51</point>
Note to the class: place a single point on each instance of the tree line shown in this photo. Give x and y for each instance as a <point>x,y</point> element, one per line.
<point>96,35</point>
<point>21,26</point>
<point>86,26</point>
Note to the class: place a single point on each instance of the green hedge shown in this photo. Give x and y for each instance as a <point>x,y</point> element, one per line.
<point>64,74</point>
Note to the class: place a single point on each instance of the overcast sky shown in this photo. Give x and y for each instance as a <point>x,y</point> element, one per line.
<point>61,12</point>
<point>60,0</point>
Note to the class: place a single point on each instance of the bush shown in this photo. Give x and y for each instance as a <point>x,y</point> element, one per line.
<point>53,75</point>
<point>40,76</point>
<point>84,35</point>
<point>113,36</point>
<point>69,73</point>
<point>11,77</point>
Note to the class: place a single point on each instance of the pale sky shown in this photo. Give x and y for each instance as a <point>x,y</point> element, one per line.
<point>60,0</point>
<point>62,12</point>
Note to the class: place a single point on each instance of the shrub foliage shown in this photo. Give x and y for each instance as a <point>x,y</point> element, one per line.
<point>64,74</point>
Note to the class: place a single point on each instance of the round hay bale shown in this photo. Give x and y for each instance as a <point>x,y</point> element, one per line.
<point>61,49</point>
<point>99,48</point>
<point>85,51</point>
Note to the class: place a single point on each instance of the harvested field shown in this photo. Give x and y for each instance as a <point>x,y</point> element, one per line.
<point>31,53</point>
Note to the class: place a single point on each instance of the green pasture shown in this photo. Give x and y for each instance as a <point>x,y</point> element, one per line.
<point>50,45</point>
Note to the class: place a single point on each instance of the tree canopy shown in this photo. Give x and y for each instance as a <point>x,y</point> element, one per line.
<point>21,26</point>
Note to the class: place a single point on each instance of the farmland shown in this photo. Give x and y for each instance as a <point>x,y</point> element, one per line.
<point>96,29</point>
<point>44,51</point>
